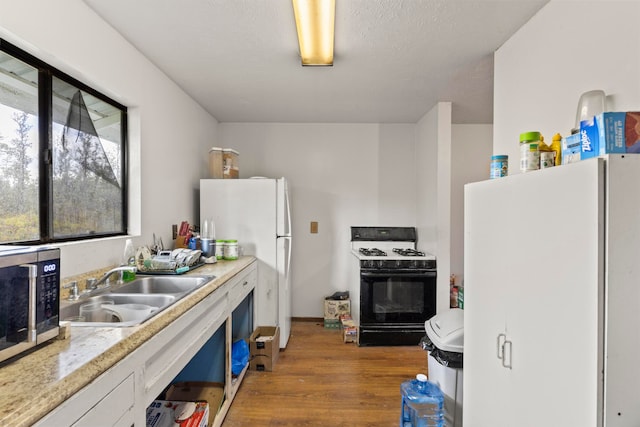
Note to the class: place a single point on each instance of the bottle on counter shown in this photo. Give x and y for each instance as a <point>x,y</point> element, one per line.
<point>208,241</point>
<point>422,403</point>
<point>128,258</point>
<point>453,292</point>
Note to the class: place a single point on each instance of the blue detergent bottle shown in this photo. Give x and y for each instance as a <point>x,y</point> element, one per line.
<point>422,403</point>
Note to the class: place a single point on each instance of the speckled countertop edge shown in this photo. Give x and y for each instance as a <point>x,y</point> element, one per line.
<point>36,383</point>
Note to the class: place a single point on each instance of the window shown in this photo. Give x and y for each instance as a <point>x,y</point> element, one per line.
<point>62,155</point>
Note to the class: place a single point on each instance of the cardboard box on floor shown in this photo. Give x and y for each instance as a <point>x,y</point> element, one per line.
<point>264,346</point>
<point>333,309</point>
<point>349,329</point>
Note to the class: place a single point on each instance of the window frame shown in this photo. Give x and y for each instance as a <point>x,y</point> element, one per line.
<point>46,73</point>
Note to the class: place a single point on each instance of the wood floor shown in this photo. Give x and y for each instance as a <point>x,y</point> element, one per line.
<point>321,381</point>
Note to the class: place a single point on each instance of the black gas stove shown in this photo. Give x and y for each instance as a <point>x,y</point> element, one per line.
<point>397,291</point>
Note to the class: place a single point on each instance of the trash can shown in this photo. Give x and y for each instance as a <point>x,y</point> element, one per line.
<point>445,342</point>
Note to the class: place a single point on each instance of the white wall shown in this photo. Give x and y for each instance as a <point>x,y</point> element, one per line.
<point>433,169</point>
<point>340,175</point>
<point>568,48</point>
<point>447,157</point>
<point>471,147</point>
<point>169,132</point>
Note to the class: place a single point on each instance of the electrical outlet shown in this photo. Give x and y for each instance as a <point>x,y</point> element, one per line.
<point>314,227</point>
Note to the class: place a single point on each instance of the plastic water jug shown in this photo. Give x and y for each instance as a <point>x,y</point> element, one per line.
<point>422,403</point>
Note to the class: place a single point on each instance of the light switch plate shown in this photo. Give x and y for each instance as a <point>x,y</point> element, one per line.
<point>314,227</point>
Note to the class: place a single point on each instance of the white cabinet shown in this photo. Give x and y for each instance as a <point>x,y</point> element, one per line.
<point>549,270</point>
<point>108,401</point>
<point>115,409</point>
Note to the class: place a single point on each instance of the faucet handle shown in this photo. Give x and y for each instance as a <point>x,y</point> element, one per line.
<point>91,284</point>
<point>73,290</point>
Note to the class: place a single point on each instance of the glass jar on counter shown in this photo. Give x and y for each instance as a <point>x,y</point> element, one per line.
<point>231,249</point>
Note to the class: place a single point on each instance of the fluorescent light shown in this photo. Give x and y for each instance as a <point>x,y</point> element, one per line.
<point>315,21</point>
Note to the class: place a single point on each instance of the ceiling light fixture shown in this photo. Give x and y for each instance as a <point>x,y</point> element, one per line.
<point>315,20</point>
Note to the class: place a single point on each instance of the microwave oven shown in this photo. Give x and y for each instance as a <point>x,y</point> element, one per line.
<point>29,298</point>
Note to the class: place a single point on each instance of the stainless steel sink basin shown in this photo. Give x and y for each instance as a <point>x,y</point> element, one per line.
<point>140,300</point>
<point>162,285</point>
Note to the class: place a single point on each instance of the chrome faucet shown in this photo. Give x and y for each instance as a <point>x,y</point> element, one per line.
<point>95,284</point>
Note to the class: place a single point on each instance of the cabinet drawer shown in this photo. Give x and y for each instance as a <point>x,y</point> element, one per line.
<point>115,409</point>
<point>242,287</point>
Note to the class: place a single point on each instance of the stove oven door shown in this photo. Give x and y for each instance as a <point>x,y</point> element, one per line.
<point>394,304</point>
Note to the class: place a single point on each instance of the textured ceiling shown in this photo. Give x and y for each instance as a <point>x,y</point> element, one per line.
<point>394,59</point>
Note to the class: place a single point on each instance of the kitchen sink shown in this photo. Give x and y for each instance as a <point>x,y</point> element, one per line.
<point>131,303</point>
<point>162,285</point>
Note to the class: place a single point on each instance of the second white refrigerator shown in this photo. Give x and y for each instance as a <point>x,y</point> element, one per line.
<point>255,211</point>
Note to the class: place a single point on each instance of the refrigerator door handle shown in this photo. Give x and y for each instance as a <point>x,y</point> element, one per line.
<point>283,208</point>
<point>288,272</point>
<point>506,344</point>
<point>500,343</point>
<point>287,209</point>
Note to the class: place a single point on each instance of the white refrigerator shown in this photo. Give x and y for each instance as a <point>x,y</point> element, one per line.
<point>256,212</point>
<point>552,297</point>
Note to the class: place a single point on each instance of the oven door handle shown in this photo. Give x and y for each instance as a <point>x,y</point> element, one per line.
<point>396,273</point>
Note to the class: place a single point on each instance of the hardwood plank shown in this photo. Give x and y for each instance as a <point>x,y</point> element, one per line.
<point>321,381</point>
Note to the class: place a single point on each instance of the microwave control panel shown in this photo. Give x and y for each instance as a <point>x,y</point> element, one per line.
<point>47,291</point>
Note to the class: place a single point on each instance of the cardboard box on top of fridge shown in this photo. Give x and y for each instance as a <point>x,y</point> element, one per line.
<point>611,132</point>
<point>264,346</point>
<point>166,413</point>
<point>571,149</point>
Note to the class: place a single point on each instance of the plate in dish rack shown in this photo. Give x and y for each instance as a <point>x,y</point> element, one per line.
<point>177,271</point>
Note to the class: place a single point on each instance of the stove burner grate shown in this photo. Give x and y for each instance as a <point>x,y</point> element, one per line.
<point>408,252</point>
<point>372,252</point>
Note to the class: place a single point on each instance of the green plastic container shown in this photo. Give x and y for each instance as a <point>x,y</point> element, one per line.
<point>220,248</point>
<point>231,250</point>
